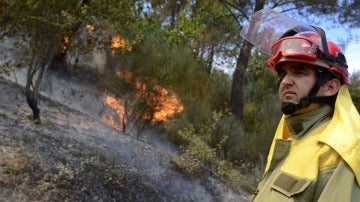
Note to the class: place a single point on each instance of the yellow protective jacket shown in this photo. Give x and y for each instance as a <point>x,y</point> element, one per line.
<point>322,165</point>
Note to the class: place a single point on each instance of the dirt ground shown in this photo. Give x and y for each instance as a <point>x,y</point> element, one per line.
<point>73,156</point>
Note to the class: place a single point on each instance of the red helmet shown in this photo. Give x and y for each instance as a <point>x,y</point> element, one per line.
<point>307,48</point>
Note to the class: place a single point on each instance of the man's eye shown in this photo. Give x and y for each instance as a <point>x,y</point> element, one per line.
<point>300,73</point>
<point>282,75</point>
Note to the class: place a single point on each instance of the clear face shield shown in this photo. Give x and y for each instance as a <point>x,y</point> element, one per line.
<point>267,26</point>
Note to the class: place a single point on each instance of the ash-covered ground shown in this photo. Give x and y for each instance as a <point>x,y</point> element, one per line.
<point>74,156</point>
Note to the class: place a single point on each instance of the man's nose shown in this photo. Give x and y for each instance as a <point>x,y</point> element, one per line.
<point>287,80</point>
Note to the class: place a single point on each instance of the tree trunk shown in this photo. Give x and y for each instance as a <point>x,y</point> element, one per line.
<point>237,90</point>
<point>32,102</point>
<point>4,17</point>
<point>210,59</point>
<point>34,76</point>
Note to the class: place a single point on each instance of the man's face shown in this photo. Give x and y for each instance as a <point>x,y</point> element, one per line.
<point>296,81</point>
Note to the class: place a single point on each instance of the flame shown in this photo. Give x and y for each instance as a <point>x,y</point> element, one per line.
<point>64,44</point>
<point>118,42</point>
<point>117,120</point>
<point>90,28</point>
<point>115,103</point>
<point>65,41</point>
<point>163,101</point>
<point>168,104</point>
<point>111,121</point>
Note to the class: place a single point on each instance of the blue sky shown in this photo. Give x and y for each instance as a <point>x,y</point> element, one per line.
<point>352,53</point>
<point>352,49</point>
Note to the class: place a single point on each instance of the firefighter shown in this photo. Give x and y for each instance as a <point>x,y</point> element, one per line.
<point>315,153</point>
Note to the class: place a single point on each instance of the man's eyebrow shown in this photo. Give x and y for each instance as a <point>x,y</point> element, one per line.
<point>297,66</point>
<point>301,68</point>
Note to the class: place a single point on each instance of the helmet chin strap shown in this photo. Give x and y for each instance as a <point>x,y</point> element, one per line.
<point>289,108</point>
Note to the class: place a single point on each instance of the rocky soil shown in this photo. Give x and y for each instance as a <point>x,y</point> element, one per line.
<point>73,156</point>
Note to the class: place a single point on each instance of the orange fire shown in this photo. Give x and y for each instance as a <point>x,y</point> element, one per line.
<point>118,42</point>
<point>66,39</point>
<point>90,28</point>
<point>164,102</point>
<point>64,44</point>
<point>168,104</point>
<point>115,104</point>
<point>111,121</point>
<point>117,120</point>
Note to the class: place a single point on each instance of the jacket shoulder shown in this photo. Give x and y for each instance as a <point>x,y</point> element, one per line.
<point>342,185</point>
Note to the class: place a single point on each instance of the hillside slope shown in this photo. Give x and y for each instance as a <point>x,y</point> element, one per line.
<point>73,156</point>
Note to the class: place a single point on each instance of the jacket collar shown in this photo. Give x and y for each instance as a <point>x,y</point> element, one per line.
<point>302,124</point>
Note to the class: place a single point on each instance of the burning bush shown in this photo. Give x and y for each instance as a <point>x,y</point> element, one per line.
<point>148,102</point>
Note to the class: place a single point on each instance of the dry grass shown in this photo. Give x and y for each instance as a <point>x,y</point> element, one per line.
<point>15,169</point>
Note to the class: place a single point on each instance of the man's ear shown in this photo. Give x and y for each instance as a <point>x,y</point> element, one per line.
<point>331,87</point>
